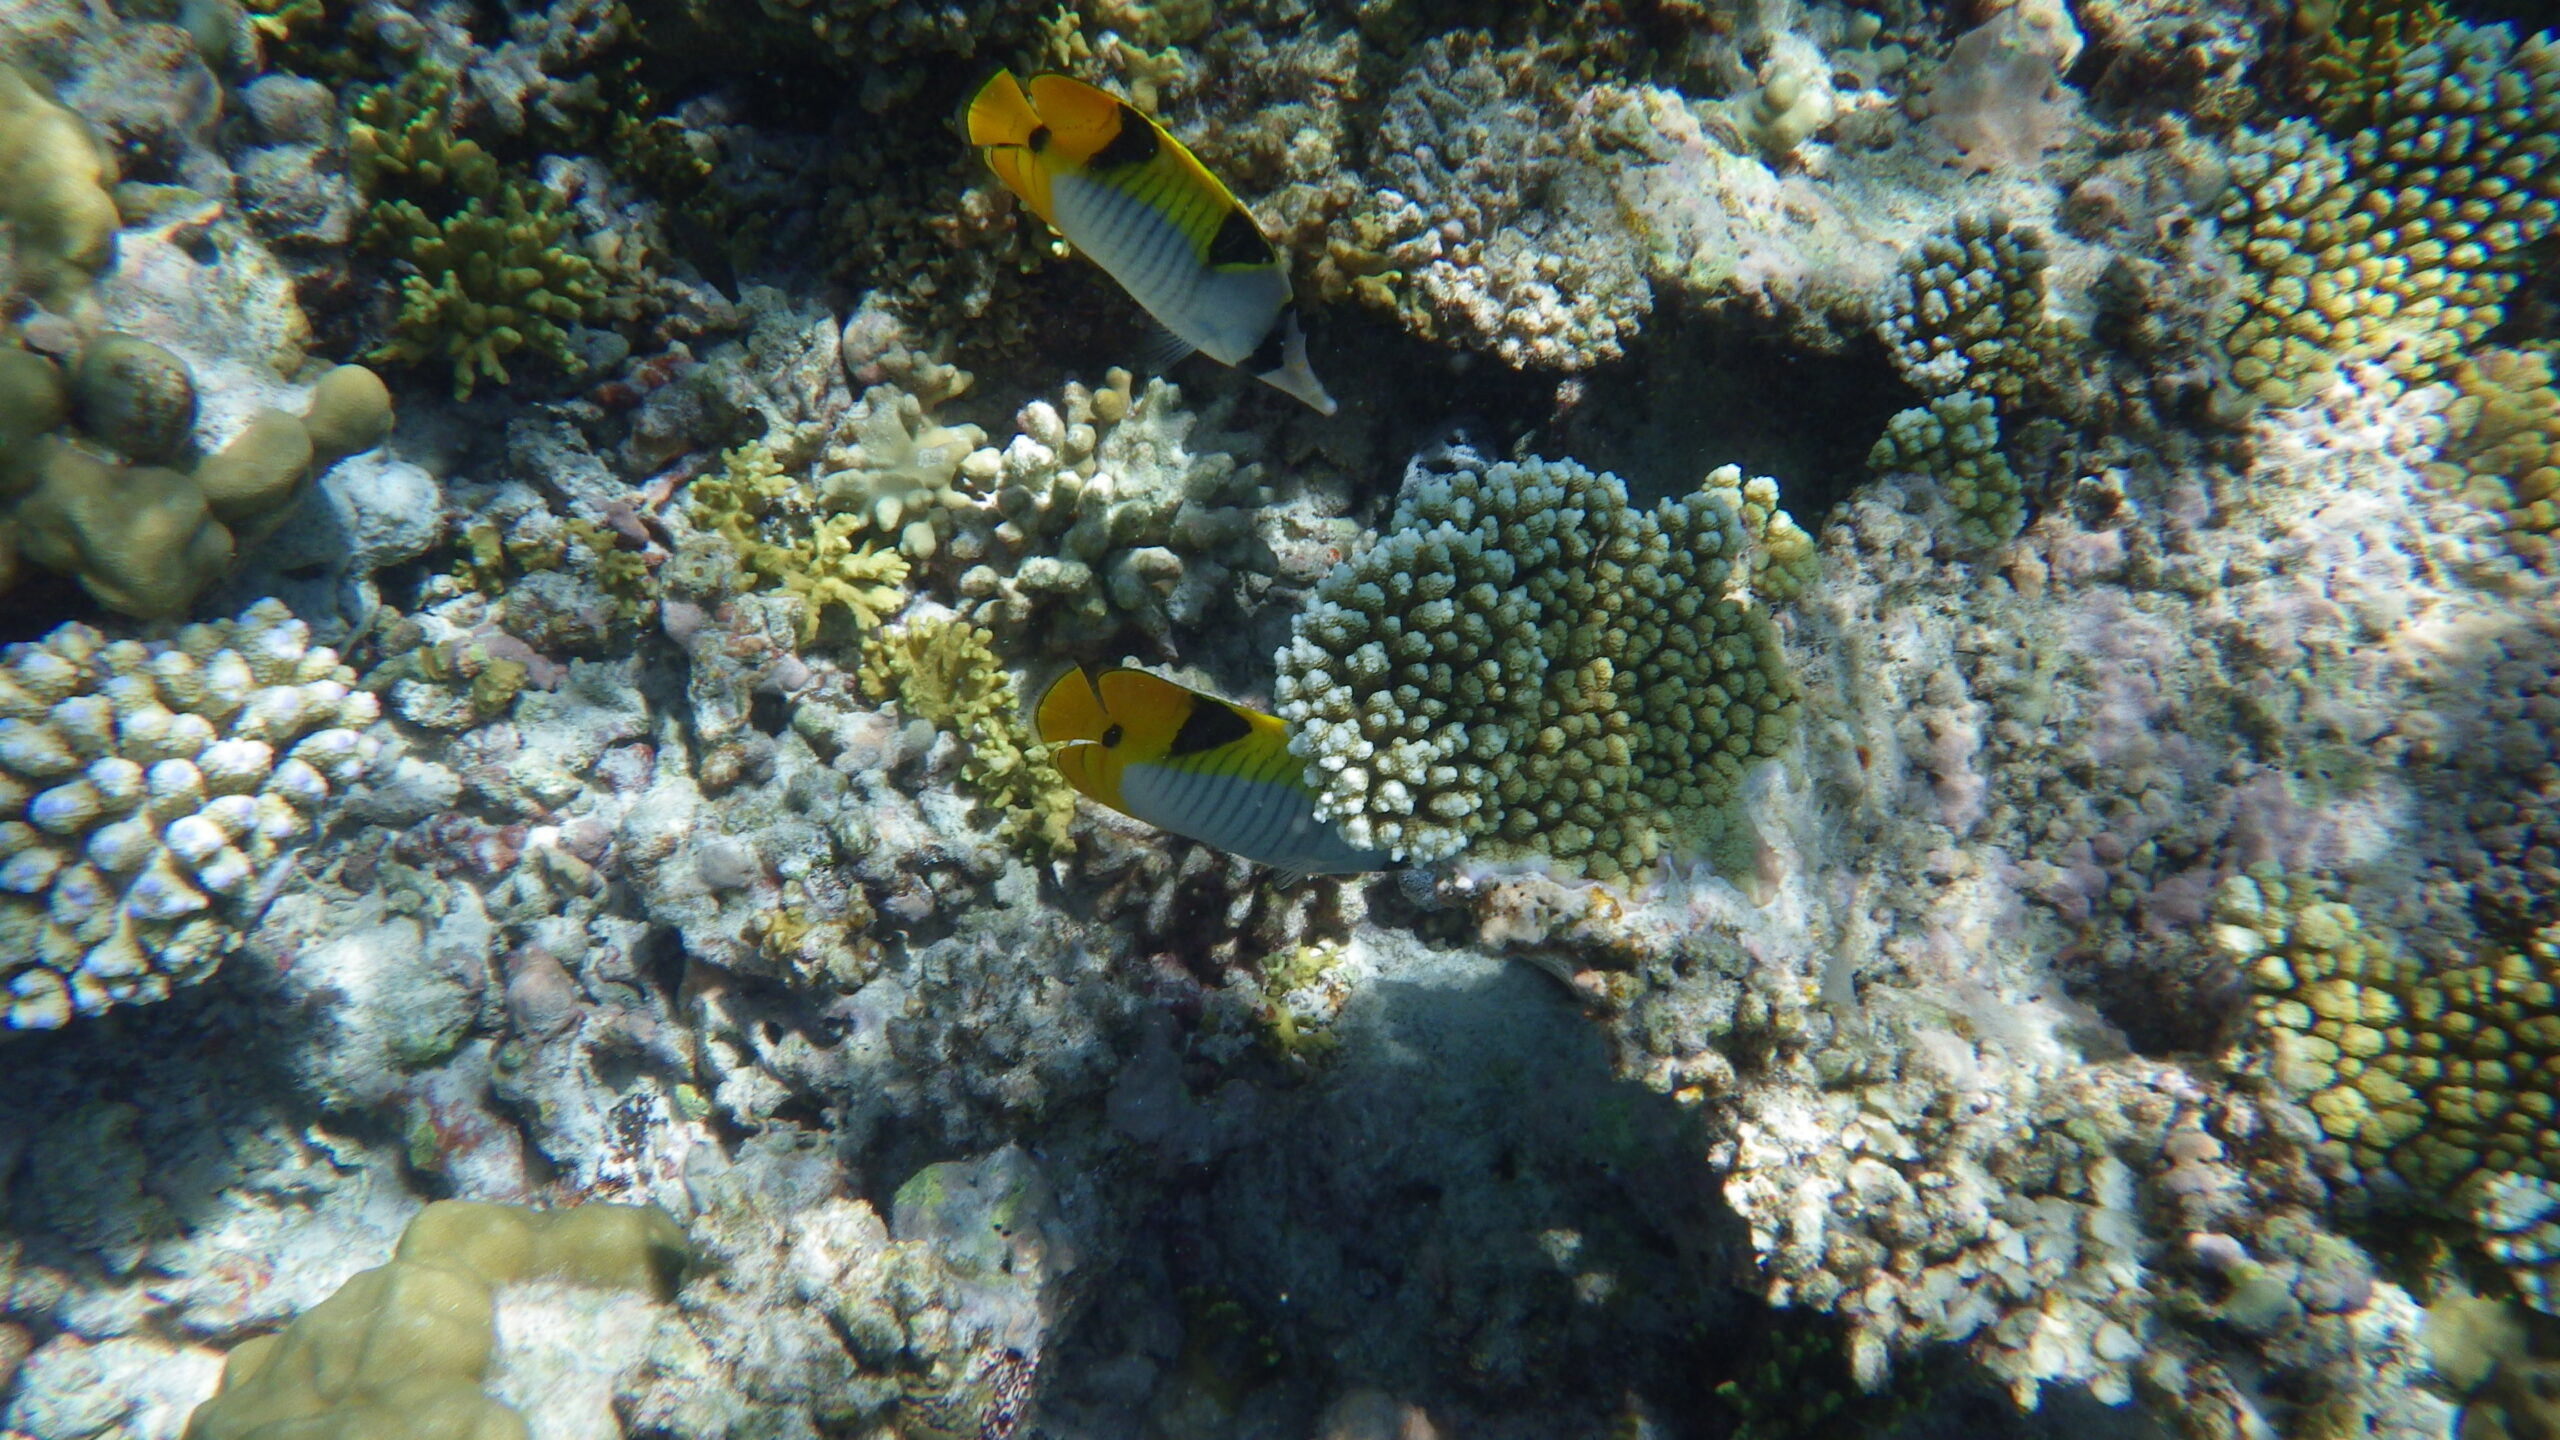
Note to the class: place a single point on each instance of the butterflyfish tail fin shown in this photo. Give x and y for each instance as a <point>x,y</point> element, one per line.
<point>1008,132</point>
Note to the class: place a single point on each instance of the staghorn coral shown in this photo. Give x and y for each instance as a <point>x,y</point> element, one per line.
<point>2395,244</point>
<point>1524,665</point>
<point>1966,311</point>
<point>944,672</point>
<point>150,789</point>
<point>495,268</point>
<point>1955,441</point>
<point>2422,1076</point>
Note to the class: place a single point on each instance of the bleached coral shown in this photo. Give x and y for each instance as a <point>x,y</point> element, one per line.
<point>151,788</point>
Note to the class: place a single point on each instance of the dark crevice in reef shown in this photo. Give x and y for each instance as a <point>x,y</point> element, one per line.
<point>1696,392</point>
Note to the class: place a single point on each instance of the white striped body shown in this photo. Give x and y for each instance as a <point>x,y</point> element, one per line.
<point>1224,313</point>
<point>1269,817</point>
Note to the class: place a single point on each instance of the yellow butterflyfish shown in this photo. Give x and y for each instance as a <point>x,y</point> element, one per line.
<point>1192,764</point>
<point>1124,192</point>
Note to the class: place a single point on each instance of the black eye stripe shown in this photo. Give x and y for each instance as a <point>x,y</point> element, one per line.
<point>1039,138</point>
<point>1111,736</point>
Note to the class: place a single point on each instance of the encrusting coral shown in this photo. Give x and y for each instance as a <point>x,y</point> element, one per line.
<point>1525,665</point>
<point>148,789</point>
<point>403,1351</point>
<point>2397,243</point>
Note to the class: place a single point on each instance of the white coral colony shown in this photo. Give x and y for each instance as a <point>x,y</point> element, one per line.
<point>145,788</point>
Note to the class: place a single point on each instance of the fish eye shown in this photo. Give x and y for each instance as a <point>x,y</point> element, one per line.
<point>1111,736</point>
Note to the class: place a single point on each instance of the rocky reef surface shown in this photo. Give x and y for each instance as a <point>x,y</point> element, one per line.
<point>1947,611</point>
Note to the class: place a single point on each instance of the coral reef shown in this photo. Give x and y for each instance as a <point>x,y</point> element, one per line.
<point>405,1349</point>
<point>2501,444</point>
<point>1955,441</point>
<point>55,175</point>
<point>1967,312</point>
<point>151,790</point>
<point>945,673</point>
<point>1523,664</point>
<point>2386,245</point>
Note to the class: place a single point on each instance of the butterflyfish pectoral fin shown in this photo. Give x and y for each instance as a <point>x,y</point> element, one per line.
<point>1138,203</point>
<point>1195,765</point>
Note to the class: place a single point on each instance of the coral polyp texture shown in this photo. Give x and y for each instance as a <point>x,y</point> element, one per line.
<point>1955,441</point>
<point>2395,243</point>
<point>2501,446</point>
<point>1524,664</point>
<point>2424,1075</point>
<point>1966,311</point>
<point>150,790</point>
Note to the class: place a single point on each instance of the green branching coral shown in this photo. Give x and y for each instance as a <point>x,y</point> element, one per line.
<point>1525,665</point>
<point>945,672</point>
<point>1966,311</point>
<point>1955,440</point>
<point>2399,243</point>
<point>763,515</point>
<point>2423,1074</point>
<point>497,271</point>
<point>2357,54</point>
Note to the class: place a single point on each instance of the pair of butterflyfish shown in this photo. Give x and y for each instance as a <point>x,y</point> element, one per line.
<point>1193,764</point>
<point>1117,187</point>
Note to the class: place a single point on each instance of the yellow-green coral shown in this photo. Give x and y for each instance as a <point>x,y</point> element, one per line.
<point>2399,243</point>
<point>497,271</point>
<point>55,206</point>
<point>2423,1073</point>
<point>761,512</point>
<point>1955,440</point>
<point>2357,52</point>
<point>2501,447</point>
<point>1966,311</point>
<point>945,672</point>
<point>400,1352</point>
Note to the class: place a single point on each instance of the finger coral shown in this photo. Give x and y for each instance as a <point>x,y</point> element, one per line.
<point>1525,665</point>
<point>1966,310</point>
<point>148,789</point>
<point>1955,440</point>
<point>2501,446</point>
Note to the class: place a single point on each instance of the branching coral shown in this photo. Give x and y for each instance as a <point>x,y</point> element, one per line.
<point>147,789</point>
<point>2501,446</point>
<point>762,513</point>
<point>496,269</point>
<point>1105,520</point>
<point>2397,243</point>
<point>1524,665</point>
<point>2422,1075</point>
<point>945,672</point>
<point>1955,440</point>
<point>1966,311</point>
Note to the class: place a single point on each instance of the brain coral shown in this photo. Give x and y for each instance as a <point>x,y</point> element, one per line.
<point>1525,665</point>
<point>2397,243</point>
<point>148,788</point>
